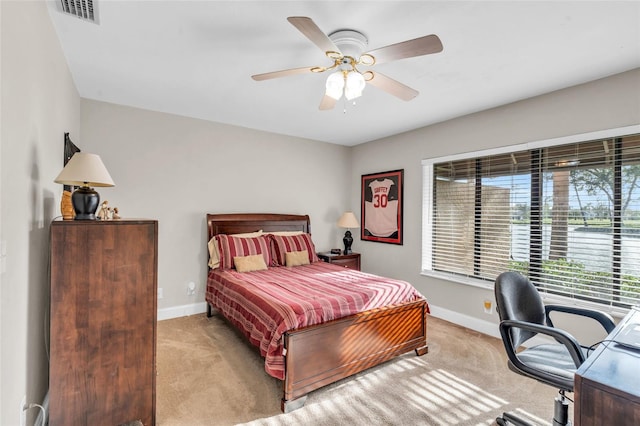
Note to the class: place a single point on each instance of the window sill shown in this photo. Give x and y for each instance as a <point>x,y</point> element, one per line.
<point>615,312</point>
<point>459,279</point>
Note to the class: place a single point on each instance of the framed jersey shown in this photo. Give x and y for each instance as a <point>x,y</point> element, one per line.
<point>381,209</point>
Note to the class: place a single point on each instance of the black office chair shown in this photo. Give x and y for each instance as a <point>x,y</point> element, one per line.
<point>522,316</point>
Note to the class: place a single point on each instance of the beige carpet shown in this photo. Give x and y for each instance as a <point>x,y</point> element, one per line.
<point>208,375</point>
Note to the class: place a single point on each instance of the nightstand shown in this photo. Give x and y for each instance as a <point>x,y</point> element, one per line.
<point>351,260</point>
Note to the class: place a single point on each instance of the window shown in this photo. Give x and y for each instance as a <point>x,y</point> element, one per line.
<point>567,216</point>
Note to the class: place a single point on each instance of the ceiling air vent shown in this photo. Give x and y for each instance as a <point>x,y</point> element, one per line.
<point>87,10</point>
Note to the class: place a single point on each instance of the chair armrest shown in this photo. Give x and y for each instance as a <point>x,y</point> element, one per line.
<point>561,336</point>
<point>604,319</point>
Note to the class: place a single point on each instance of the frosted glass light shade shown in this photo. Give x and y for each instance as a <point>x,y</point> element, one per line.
<point>334,85</point>
<point>354,85</point>
<point>348,220</point>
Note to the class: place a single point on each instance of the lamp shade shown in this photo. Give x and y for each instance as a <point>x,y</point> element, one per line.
<point>84,169</point>
<point>348,220</point>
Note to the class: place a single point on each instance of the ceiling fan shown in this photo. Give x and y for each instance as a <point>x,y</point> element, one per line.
<point>346,48</point>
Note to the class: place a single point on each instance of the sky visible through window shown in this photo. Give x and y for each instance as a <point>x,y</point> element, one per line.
<point>520,189</point>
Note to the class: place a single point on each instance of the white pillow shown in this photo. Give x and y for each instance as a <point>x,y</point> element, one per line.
<point>287,233</point>
<point>214,251</point>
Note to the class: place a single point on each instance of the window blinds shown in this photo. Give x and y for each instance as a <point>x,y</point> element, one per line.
<point>568,216</point>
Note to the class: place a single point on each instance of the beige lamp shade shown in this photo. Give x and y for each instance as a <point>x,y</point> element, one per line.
<point>348,220</point>
<point>84,169</point>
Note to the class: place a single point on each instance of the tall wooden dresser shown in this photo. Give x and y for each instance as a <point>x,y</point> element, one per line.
<point>103,322</point>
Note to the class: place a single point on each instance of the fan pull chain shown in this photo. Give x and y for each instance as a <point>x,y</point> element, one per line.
<point>344,105</point>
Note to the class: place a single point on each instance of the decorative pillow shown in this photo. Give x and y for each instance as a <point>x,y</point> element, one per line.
<point>214,257</point>
<point>230,247</point>
<point>283,244</point>
<point>297,258</point>
<point>249,263</point>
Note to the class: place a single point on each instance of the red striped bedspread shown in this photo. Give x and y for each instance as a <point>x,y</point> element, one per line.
<point>266,304</point>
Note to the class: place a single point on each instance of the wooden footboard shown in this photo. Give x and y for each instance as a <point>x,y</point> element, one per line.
<point>322,354</point>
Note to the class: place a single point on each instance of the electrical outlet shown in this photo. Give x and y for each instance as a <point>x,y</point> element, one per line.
<point>160,295</point>
<point>191,288</point>
<point>488,307</point>
<point>23,411</point>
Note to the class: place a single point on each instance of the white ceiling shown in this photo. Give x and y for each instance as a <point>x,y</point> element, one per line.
<point>196,58</point>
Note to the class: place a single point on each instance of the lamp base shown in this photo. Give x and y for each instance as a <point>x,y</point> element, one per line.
<point>85,203</point>
<point>347,240</point>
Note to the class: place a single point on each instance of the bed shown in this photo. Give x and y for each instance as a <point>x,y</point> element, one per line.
<point>313,355</point>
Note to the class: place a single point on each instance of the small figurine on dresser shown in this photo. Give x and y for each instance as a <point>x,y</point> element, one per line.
<point>107,213</point>
<point>103,211</point>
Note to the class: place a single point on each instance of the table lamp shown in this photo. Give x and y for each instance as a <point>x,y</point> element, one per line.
<point>348,220</point>
<point>85,170</point>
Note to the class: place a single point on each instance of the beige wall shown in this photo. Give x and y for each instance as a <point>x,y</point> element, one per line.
<point>39,103</point>
<point>604,104</point>
<point>177,169</point>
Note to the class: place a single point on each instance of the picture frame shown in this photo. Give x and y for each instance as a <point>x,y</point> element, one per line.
<point>382,207</point>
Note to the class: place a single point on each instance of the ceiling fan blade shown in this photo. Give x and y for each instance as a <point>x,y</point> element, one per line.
<point>282,73</point>
<point>327,103</point>
<point>309,28</point>
<point>391,86</point>
<point>407,49</point>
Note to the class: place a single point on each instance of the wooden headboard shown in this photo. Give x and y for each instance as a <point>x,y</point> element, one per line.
<point>238,223</point>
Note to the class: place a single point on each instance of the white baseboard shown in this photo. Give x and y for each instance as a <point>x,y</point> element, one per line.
<point>182,311</point>
<point>486,327</point>
<point>473,323</point>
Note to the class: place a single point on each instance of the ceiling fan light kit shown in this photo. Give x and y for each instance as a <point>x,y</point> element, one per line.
<point>352,82</point>
<point>348,80</point>
<point>345,48</point>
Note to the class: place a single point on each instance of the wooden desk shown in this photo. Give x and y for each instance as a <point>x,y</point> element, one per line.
<point>607,385</point>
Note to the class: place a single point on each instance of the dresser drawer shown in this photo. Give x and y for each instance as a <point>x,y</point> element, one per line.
<point>351,260</point>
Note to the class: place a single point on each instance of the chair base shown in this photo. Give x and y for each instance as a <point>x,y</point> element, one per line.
<point>509,419</point>
<point>560,414</point>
